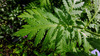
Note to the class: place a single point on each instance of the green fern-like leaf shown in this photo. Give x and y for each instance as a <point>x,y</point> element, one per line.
<point>71,7</point>
<point>79,38</point>
<point>59,32</point>
<point>98,17</point>
<point>96,5</point>
<point>44,3</point>
<point>79,5</point>
<point>76,12</point>
<point>86,44</point>
<point>88,14</point>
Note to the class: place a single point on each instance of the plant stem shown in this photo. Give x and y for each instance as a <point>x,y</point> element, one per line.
<point>92,18</point>
<point>84,29</point>
<point>87,30</point>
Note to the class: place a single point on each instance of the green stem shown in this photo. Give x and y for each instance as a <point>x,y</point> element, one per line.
<point>94,33</point>
<point>92,18</point>
<point>87,30</point>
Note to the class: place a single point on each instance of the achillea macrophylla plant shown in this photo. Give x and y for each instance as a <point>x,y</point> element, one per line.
<point>62,31</point>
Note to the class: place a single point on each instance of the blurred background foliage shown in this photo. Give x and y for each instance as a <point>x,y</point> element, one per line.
<point>10,23</point>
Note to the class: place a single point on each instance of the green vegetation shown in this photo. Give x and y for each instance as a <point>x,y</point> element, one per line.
<point>51,28</point>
